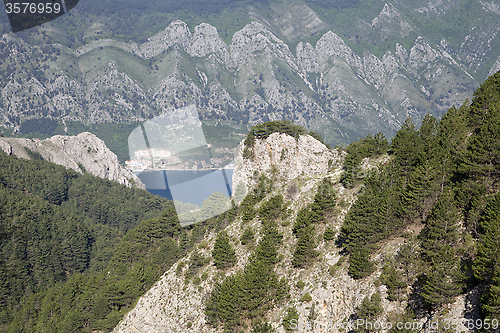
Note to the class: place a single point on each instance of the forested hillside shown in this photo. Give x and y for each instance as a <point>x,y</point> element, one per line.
<point>443,178</point>
<point>420,232</point>
<point>57,224</point>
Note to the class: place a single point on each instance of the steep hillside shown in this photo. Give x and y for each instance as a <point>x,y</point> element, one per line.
<point>399,233</point>
<point>387,234</point>
<point>82,153</point>
<point>343,70</point>
<point>57,224</point>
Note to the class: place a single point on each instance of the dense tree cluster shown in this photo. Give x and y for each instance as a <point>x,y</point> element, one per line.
<point>249,294</point>
<point>444,176</point>
<point>304,229</point>
<point>56,223</point>
<point>75,255</point>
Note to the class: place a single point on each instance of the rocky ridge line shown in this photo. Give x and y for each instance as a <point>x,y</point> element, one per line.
<point>85,151</point>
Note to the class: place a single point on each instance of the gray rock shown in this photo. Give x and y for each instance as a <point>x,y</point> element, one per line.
<point>75,152</point>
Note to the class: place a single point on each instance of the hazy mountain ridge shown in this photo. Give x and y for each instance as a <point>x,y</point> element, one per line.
<point>257,77</point>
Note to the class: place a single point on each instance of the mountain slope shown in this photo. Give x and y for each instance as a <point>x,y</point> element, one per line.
<point>407,226</point>
<point>57,224</point>
<point>82,153</point>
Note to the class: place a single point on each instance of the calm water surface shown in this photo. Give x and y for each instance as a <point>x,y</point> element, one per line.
<point>190,186</point>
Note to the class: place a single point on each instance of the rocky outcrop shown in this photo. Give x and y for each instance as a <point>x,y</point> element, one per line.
<point>82,153</point>
<point>170,305</point>
<point>286,158</point>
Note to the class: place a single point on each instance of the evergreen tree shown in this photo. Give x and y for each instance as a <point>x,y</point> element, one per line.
<point>291,321</point>
<point>444,281</point>
<point>487,263</point>
<point>324,201</point>
<point>440,236</point>
<point>305,250</point>
<point>406,147</point>
<point>367,313</point>
<point>489,241</point>
<point>271,209</point>
<point>329,234</point>
<point>395,283</point>
<point>360,265</point>
<point>247,236</point>
<point>490,300</point>
<point>223,253</point>
<point>441,228</point>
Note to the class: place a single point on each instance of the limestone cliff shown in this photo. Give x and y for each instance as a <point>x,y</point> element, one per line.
<point>75,152</point>
<point>286,158</point>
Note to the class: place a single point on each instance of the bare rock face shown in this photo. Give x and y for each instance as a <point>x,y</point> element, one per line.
<point>285,158</point>
<point>75,152</point>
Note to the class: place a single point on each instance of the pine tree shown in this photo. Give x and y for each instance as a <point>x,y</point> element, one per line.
<point>395,283</point>
<point>441,228</point>
<point>417,195</point>
<point>367,313</point>
<point>481,160</point>
<point>247,236</point>
<point>291,321</point>
<point>487,263</point>
<point>360,265</point>
<point>324,201</point>
<point>444,280</point>
<point>223,253</point>
<point>406,147</point>
<point>490,300</point>
<point>305,250</point>
<point>489,241</point>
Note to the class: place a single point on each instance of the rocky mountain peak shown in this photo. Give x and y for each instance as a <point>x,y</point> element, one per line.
<point>74,152</point>
<point>283,158</point>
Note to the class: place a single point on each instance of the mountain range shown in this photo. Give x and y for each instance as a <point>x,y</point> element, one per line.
<point>341,69</point>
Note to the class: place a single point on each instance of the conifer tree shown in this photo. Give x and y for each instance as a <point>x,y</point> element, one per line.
<point>223,253</point>
<point>418,194</point>
<point>487,263</point>
<point>291,320</point>
<point>305,250</point>
<point>490,300</point>
<point>360,265</point>
<point>324,200</point>
<point>367,313</point>
<point>489,241</point>
<point>444,280</point>
<point>441,229</point>
<point>406,147</point>
<point>395,283</point>
<point>428,135</point>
